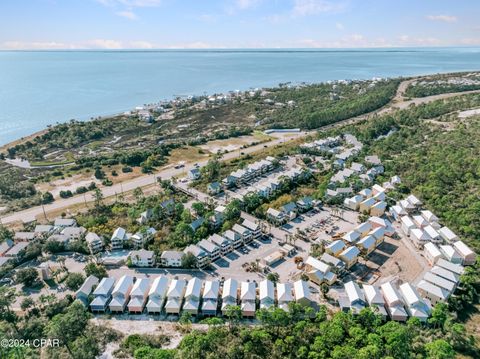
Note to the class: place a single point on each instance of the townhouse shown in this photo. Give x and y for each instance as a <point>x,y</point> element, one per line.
<point>142,258</point>
<point>157,294</point>
<point>175,294</point>
<point>210,294</point>
<point>229,294</point>
<point>248,298</point>
<point>192,296</point>
<point>121,294</point>
<point>171,258</point>
<point>83,293</point>
<point>102,295</point>
<point>139,295</point>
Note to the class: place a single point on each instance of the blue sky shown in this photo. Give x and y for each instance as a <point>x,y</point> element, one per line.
<point>123,24</point>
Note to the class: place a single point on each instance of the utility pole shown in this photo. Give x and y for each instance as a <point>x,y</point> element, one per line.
<point>44,213</point>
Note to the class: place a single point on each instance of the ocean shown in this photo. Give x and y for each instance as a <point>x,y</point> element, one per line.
<point>42,88</point>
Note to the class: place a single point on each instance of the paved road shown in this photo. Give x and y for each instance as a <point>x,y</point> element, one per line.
<point>143,181</point>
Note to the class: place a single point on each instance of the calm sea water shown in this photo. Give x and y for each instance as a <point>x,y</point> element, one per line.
<point>42,88</point>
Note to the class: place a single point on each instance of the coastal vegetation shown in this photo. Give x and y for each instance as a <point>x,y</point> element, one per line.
<point>447,83</point>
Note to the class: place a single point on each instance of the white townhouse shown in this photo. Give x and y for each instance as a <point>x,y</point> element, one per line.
<point>266,294</point>
<point>367,244</point>
<point>171,259</point>
<point>335,248</point>
<point>350,256</point>
<point>440,282</point>
<point>446,274</point>
<point>119,237</point>
<point>284,295</point>
<point>378,209</point>
<point>210,294</point>
<point>211,249</point>
<point>353,203</point>
<point>245,233</point>
<point>414,201</point>
<point>431,292</point>
<point>64,222</point>
<point>86,289</point>
<point>248,298</point>
<point>393,302</point>
<point>419,237</point>
<point>175,294</point>
<point>448,235</point>
<point>431,253</point>
<point>121,294</point>
<point>234,238</point>
<point>73,232</point>
<point>451,254</point>
<point>433,234</point>
<point>275,216</point>
<point>419,221</point>
<point>415,305</point>
<point>253,227</point>
<point>225,245</point>
<point>375,300</point>
<point>157,294</point>
<point>142,258</point>
<point>377,233</point>
<point>192,296</point>
<point>407,225</point>
<point>303,295</point>
<point>468,256</point>
<point>452,267</point>
<point>139,295</point>
<point>102,295</point>
<point>351,237</point>
<point>201,257</point>
<point>363,228</point>
<point>355,297</point>
<point>229,294</point>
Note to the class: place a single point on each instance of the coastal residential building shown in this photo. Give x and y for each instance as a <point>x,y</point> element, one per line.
<point>229,294</point>
<point>351,237</point>
<point>157,294</point>
<point>468,256</point>
<point>378,209</point>
<point>22,237</point>
<point>234,238</point>
<point>245,233</point>
<point>366,205</point>
<point>419,237</point>
<point>102,295</point>
<point>211,249</point>
<point>86,289</point>
<point>43,230</point>
<point>225,245</point>
<point>94,243</point>
<point>171,259</point>
<point>305,204</point>
<point>119,237</point>
<point>433,234</point>
<point>367,244</point>
<point>210,294</point>
<point>446,274</point>
<point>201,257</point>
<point>73,232</point>
<point>431,253</point>
<point>407,225</point>
<point>139,295</point>
<point>254,228</point>
<point>194,174</point>
<point>452,267</point>
<point>375,300</point>
<point>451,254</point>
<point>303,295</point>
<point>379,235</point>
<point>175,294</point>
<point>431,292</point>
<point>121,294</point>
<point>17,250</point>
<point>448,235</point>
<point>440,282</point>
<point>350,256</point>
<point>414,201</point>
<point>394,303</point>
<point>353,203</point>
<point>290,210</point>
<point>335,248</point>
<point>284,295</point>
<point>214,188</point>
<point>419,221</point>
<point>142,258</point>
<point>355,297</point>
<point>415,305</point>
<point>275,216</point>
<point>248,299</point>
<point>266,294</point>
<point>64,222</point>
<point>192,296</point>
<point>429,216</point>
<point>140,238</point>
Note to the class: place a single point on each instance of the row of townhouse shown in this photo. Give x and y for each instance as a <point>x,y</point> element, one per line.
<point>120,237</point>
<point>398,303</point>
<point>369,200</point>
<point>195,296</point>
<point>289,211</point>
<point>421,225</point>
<point>252,171</point>
<point>210,249</point>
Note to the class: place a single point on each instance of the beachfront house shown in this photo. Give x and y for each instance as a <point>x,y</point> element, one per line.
<point>254,228</point>
<point>335,248</point>
<point>139,295</point>
<point>415,305</point>
<point>157,294</point>
<point>303,295</point>
<point>245,233</point>
<point>210,294</point>
<point>120,294</point>
<point>266,294</point>
<point>102,295</point>
<point>431,253</point>
<point>234,238</point>
<point>211,249</point>
<point>275,216</point>
<point>375,300</point>
<point>284,295</point>
<point>175,295</point>
<point>225,245</point>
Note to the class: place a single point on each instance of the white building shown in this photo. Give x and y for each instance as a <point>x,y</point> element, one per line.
<point>335,248</point>
<point>86,289</point>
<point>139,295</point>
<point>415,305</point>
<point>303,295</point>
<point>393,302</point>
<point>192,296</point>
<point>451,254</point>
<point>171,258</point>
<point>175,295</point>
<point>431,292</point>
<point>284,295</point>
<point>120,294</point>
<point>448,235</point>
<point>375,299</point>
<point>407,225</point>
<point>431,253</point>
<point>157,294</point>
<point>210,297</point>
<point>229,294</point>
<point>102,295</point>
<point>355,296</point>
<point>350,256</point>
<point>118,238</point>
<point>468,256</point>
<point>248,298</point>
<point>142,258</point>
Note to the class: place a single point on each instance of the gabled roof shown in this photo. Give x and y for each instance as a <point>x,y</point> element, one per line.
<point>373,295</point>
<point>336,246</point>
<point>289,207</point>
<point>329,259</point>
<point>105,287</point>
<point>119,233</point>
<point>367,242</point>
<point>240,229</point>
<point>317,264</point>
<point>87,286</point>
<point>350,253</point>
<point>407,221</point>
<point>284,292</point>
<point>442,272</point>
<point>194,287</point>
<point>123,286</point>
<point>420,221</point>
<point>266,290</point>
<point>447,234</point>
<point>250,225</point>
<point>211,289</point>
<point>433,289</point>
<point>351,236</point>
<point>207,246</point>
<point>429,216</point>
<point>176,289</point>
<point>231,235</point>
<point>230,287</point>
<point>354,293</point>
<point>432,232</point>
<point>159,287</point>
<point>363,227</point>
<point>432,250</point>
<point>419,235</point>
<point>439,281</point>
<point>219,240</point>
<point>377,233</point>
<point>455,268</point>
<point>140,288</point>
<point>390,294</point>
<point>450,252</point>
<point>463,249</point>
<point>302,291</point>
<point>414,200</point>
<point>410,295</point>
<point>247,291</point>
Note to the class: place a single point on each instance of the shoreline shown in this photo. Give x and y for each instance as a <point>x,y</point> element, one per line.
<point>117,113</point>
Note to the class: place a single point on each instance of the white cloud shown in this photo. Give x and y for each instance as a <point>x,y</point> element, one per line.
<point>246,4</point>
<point>131,3</point>
<point>442,18</point>
<point>127,14</point>
<point>37,45</point>
<point>406,40</point>
<point>339,26</point>
<point>313,7</point>
<point>470,41</point>
<point>105,44</point>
